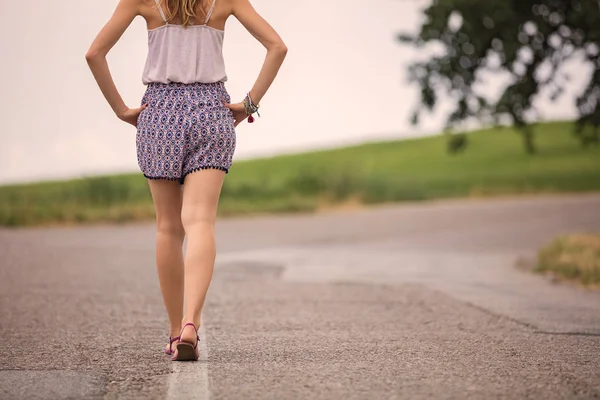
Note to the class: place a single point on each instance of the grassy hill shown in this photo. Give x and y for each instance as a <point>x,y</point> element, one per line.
<point>420,169</point>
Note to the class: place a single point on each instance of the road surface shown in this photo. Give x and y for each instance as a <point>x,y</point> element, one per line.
<point>414,301</point>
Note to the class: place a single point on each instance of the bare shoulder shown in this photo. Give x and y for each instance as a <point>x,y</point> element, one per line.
<point>257,25</point>
<point>238,6</point>
<point>243,10</point>
<point>223,9</point>
<point>224,4</point>
<point>147,7</point>
<point>129,7</point>
<point>132,4</point>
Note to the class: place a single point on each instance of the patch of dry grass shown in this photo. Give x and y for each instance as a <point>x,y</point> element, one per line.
<point>575,257</point>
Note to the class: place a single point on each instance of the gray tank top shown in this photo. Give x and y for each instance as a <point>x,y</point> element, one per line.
<point>185,55</point>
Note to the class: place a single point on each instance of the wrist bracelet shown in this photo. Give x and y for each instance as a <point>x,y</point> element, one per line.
<point>250,107</point>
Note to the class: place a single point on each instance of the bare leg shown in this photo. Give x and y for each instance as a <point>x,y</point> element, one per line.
<point>200,199</point>
<point>167,196</point>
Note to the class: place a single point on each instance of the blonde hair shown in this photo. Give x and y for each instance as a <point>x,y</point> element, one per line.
<point>187,11</point>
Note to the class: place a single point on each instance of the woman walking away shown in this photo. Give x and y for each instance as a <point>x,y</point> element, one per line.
<point>185,135</point>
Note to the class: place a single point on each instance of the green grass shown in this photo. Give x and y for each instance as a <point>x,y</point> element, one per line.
<point>494,164</point>
<point>575,258</point>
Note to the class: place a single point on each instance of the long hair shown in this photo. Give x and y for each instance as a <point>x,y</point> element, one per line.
<point>187,12</point>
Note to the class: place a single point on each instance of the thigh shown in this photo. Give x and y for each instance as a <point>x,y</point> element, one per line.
<point>201,192</point>
<point>167,197</point>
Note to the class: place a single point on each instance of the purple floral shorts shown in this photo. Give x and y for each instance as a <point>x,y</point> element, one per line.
<point>185,128</point>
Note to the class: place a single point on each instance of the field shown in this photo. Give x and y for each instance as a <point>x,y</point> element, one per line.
<point>408,170</point>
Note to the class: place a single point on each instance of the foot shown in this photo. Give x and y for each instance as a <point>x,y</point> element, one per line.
<point>173,338</point>
<point>172,343</point>
<point>189,334</point>
<point>186,348</point>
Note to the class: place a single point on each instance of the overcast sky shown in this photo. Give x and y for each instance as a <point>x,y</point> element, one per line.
<point>344,72</point>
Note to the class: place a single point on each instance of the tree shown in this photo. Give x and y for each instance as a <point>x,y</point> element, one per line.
<point>528,40</point>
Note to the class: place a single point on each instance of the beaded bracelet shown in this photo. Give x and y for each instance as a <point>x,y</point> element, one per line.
<point>251,108</point>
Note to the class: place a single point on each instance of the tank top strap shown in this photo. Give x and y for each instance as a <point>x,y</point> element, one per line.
<point>160,10</point>
<point>212,7</point>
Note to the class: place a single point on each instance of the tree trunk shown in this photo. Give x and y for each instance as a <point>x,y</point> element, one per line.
<point>527,134</point>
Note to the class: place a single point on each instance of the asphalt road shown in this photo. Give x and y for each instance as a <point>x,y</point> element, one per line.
<point>395,302</point>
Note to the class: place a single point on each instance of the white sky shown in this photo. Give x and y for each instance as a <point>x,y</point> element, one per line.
<point>343,82</point>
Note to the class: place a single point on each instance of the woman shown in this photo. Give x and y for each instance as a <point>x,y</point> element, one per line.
<point>185,134</point>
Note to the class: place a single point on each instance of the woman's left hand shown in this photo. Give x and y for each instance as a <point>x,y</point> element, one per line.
<point>130,115</point>
<point>239,112</point>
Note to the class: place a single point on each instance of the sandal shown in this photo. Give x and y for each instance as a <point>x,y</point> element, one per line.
<point>169,351</point>
<point>186,351</point>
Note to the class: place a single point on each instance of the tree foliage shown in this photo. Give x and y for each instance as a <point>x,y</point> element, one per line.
<point>528,40</point>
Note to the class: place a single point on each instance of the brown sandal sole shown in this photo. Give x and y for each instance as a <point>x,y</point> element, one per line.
<point>186,352</point>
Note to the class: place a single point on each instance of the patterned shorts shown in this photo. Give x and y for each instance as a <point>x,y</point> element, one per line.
<point>184,129</point>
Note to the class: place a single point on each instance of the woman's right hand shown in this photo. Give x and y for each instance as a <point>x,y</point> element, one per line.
<point>130,115</point>
<point>239,112</point>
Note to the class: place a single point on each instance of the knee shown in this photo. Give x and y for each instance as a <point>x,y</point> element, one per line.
<point>195,219</point>
<point>171,226</point>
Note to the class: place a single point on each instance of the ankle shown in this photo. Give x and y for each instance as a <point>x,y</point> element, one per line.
<point>192,320</point>
<point>175,330</point>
